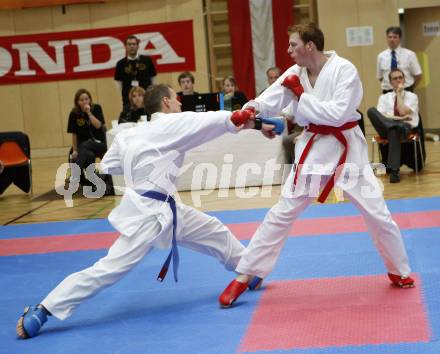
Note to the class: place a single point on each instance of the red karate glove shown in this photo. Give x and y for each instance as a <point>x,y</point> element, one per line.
<point>241,117</point>
<point>292,83</point>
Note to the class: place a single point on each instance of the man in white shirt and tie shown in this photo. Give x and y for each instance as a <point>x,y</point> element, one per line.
<point>396,115</point>
<point>397,57</point>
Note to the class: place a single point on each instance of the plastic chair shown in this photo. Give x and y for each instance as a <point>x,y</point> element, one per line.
<point>411,138</point>
<point>12,155</point>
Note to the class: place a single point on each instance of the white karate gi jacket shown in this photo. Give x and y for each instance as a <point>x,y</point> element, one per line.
<point>150,156</point>
<point>332,101</point>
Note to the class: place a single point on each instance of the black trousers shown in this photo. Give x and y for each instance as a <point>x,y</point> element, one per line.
<point>88,151</point>
<point>392,130</point>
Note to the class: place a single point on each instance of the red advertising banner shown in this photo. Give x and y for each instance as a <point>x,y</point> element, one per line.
<point>27,4</point>
<point>93,53</point>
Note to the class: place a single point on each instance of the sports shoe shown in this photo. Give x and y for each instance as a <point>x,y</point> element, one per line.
<point>401,282</point>
<point>30,323</point>
<point>255,283</point>
<point>231,293</point>
<point>394,176</point>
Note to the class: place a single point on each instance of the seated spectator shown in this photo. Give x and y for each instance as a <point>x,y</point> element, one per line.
<point>397,114</point>
<point>186,83</point>
<point>293,133</point>
<point>135,109</point>
<point>87,126</point>
<point>234,99</point>
<point>361,122</point>
<point>272,74</point>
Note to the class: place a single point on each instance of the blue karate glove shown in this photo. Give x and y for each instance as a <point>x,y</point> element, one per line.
<point>277,122</point>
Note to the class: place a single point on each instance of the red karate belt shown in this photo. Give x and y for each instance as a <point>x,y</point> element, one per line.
<point>337,133</point>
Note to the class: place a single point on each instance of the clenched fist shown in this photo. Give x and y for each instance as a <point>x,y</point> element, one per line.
<point>293,84</point>
<point>242,117</point>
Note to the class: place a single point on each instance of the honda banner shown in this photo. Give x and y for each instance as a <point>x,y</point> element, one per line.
<point>93,53</point>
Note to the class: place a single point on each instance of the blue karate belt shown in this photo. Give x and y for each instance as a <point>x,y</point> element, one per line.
<point>174,253</point>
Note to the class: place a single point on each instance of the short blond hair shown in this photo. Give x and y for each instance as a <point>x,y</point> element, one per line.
<point>137,89</point>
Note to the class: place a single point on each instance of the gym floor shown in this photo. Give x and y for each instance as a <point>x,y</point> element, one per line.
<point>328,293</point>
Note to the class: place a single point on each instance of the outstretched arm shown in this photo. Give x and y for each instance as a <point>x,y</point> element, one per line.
<point>192,129</point>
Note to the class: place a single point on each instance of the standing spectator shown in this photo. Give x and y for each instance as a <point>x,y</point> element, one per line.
<point>135,109</point>
<point>234,99</point>
<point>133,70</point>
<point>396,115</point>
<point>87,126</point>
<point>397,57</point>
<point>186,83</point>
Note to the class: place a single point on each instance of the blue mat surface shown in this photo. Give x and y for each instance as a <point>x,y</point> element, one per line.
<point>140,315</point>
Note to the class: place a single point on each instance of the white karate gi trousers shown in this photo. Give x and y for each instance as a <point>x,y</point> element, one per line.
<point>196,231</point>
<point>261,254</point>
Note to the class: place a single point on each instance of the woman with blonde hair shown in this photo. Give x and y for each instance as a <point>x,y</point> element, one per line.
<point>133,111</point>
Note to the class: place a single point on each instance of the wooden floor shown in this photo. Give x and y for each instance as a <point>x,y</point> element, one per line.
<point>46,205</point>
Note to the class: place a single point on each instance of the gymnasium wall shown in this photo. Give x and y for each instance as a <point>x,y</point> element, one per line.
<point>429,48</point>
<point>42,109</point>
<point>336,15</point>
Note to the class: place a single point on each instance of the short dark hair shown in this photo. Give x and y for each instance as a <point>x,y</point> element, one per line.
<point>132,36</point>
<point>395,70</point>
<point>274,68</point>
<point>184,75</point>
<point>153,98</point>
<point>309,32</point>
<point>394,30</point>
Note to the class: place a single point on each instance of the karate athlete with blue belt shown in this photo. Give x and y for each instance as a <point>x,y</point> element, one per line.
<point>149,156</point>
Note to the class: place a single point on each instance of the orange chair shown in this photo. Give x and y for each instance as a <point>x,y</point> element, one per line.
<point>411,138</point>
<point>12,155</point>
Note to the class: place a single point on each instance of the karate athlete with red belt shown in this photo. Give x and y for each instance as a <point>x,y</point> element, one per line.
<point>326,93</point>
